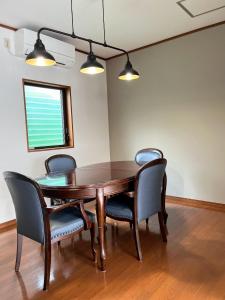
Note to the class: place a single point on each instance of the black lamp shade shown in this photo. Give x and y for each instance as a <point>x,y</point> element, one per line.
<point>128,73</point>
<point>91,66</point>
<point>39,56</point>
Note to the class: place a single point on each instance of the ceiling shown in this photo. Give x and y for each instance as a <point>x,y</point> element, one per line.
<point>130,24</point>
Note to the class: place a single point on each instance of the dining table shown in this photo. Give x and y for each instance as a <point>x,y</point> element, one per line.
<point>97,182</point>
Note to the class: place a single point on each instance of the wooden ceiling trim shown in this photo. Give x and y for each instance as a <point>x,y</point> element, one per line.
<point>169,39</point>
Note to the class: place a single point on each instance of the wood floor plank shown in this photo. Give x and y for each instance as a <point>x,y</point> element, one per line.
<point>190,266</point>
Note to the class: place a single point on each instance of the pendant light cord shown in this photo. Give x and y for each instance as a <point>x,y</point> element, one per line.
<point>103,21</point>
<point>71,7</point>
<point>90,44</point>
<point>74,36</point>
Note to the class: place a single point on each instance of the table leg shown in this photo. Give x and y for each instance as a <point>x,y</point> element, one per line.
<point>101,226</point>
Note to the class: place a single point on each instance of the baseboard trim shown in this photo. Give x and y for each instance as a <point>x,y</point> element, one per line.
<point>196,203</point>
<point>7,225</point>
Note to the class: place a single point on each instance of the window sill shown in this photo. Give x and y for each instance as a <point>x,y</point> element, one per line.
<point>50,149</point>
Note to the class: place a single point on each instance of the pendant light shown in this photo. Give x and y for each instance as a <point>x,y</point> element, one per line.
<point>39,56</point>
<point>91,66</point>
<point>128,73</point>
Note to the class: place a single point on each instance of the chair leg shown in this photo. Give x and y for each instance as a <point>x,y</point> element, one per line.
<point>162,227</point>
<point>47,265</point>
<point>105,223</point>
<point>130,225</point>
<point>163,198</point>
<point>166,229</point>
<point>92,232</point>
<point>146,221</point>
<point>137,240</point>
<point>80,236</point>
<point>59,243</point>
<point>106,198</point>
<point>18,251</point>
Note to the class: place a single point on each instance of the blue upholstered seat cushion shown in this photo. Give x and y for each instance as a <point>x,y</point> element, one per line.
<point>67,221</point>
<point>120,206</point>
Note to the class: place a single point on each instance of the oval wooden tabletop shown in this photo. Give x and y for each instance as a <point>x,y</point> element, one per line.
<point>92,176</point>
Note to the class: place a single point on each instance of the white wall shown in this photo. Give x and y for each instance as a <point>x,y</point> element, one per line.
<point>90,113</point>
<point>178,105</point>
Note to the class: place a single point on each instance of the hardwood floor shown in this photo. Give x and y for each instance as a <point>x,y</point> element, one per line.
<point>190,266</point>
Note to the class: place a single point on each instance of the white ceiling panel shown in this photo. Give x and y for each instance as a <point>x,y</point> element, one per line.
<point>201,6</point>
<point>129,23</point>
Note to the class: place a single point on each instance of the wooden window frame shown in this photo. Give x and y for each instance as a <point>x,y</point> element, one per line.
<point>67,111</point>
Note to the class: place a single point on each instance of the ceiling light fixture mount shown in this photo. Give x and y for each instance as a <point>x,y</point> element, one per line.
<point>40,57</point>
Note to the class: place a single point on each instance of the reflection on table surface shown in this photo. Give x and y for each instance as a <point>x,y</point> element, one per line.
<point>91,175</point>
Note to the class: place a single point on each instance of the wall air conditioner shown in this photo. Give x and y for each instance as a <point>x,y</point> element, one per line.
<point>63,53</point>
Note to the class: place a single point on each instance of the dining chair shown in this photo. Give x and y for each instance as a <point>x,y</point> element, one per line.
<point>146,155</point>
<point>45,225</point>
<point>60,163</point>
<point>145,203</point>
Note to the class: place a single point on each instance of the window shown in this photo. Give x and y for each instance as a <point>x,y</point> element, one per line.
<point>48,116</point>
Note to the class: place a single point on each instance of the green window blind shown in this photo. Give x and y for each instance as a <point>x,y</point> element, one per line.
<point>45,116</point>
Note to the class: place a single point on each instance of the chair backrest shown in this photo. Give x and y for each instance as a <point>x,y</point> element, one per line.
<point>60,163</point>
<point>28,203</point>
<point>148,189</point>
<point>146,155</point>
